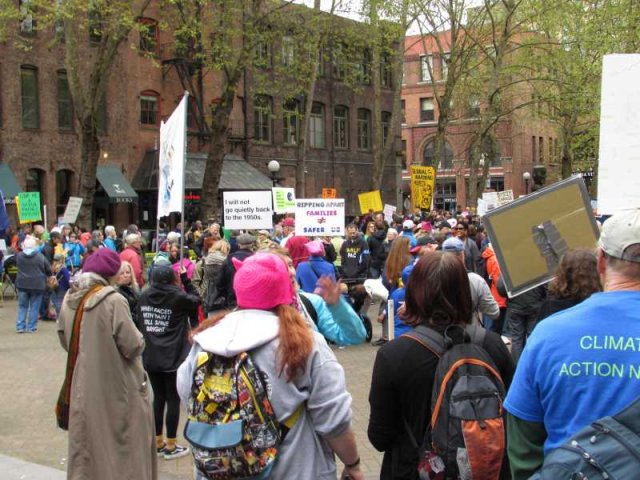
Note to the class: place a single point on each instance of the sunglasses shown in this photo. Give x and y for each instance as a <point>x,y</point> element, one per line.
<point>459,228</point>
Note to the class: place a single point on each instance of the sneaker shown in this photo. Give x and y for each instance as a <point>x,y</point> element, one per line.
<point>19,331</point>
<point>177,452</point>
<point>379,342</point>
<point>33,331</point>
<point>161,451</point>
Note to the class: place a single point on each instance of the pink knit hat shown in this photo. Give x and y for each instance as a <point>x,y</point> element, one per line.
<point>315,248</point>
<point>262,282</point>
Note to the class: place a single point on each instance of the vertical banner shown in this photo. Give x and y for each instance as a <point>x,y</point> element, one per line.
<point>247,210</point>
<point>284,200</point>
<point>423,184</point>
<point>370,201</point>
<point>171,161</point>
<point>29,207</point>
<point>320,217</point>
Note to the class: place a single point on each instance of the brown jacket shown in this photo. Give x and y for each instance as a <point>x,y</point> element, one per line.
<point>111,429</point>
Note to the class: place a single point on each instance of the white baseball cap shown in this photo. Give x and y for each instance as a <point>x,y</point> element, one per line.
<point>620,232</point>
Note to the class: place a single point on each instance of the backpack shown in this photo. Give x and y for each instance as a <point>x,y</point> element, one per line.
<point>465,437</point>
<point>609,448</point>
<point>231,426</point>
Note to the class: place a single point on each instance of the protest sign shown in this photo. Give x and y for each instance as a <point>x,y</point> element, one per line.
<point>619,158</point>
<point>370,201</point>
<point>320,217</point>
<point>529,235</point>
<point>388,211</point>
<point>29,207</point>
<point>284,200</point>
<point>490,200</point>
<point>247,210</point>
<point>423,183</point>
<point>72,210</point>
<point>3,245</point>
<point>504,197</point>
<point>329,193</point>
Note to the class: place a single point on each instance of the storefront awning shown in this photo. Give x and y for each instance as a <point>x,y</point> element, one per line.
<point>117,188</point>
<point>237,174</point>
<point>8,183</point>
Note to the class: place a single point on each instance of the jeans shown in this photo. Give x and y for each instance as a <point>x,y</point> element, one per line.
<point>56,298</point>
<point>520,325</point>
<point>44,304</point>
<point>28,301</point>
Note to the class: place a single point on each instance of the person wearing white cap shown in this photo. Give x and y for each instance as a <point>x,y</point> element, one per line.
<point>407,231</point>
<point>580,364</point>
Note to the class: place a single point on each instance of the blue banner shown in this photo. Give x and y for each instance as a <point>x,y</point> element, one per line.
<point>4,217</point>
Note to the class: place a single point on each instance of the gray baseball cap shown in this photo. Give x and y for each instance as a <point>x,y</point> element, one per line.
<point>620,232</point>
<point>453,244</point>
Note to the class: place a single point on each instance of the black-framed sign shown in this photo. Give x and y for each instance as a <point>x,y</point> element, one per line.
<point>530,234</point>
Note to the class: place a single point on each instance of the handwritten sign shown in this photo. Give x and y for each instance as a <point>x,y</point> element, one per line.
<point>72,210</point>
<point>320,217</point>
<point>370,201</point>
<point>247,210</point>
<point>505,197</point>
<point>388,211</point>
<point>29,207</point>
<point>423,183</point>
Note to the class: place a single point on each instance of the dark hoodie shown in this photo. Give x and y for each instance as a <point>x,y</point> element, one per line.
<point>33,270</point>
<point>163,318</point>
<point>377,252</point>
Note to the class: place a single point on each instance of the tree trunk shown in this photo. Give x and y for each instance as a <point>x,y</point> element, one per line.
<point>89,156</point>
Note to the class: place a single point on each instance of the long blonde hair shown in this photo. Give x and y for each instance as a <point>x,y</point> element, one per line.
<point>134,283</point>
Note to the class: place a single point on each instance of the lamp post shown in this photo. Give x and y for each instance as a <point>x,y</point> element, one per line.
<point>274,168</point>
<point>526,176</point>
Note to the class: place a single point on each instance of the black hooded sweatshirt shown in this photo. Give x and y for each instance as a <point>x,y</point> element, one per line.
<point>163,319</point>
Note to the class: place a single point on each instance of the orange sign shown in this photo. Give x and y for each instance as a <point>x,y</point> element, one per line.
<point>329,193</point>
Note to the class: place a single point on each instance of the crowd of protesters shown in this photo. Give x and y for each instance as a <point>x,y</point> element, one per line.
<point>173,295</point>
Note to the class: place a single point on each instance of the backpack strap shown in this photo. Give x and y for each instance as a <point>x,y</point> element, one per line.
<point>428,338</point>
<point>477,333</point>
<point>309,308</point>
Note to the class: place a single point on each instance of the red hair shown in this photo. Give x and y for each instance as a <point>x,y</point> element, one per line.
<point>296,339</point>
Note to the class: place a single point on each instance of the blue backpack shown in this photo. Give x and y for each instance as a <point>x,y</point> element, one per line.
<point>609,448</point>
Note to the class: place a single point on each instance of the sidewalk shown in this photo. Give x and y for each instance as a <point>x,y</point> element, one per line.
<point>33,368</point>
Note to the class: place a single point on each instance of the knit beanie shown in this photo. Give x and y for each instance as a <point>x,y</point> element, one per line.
<point>104,262</point>
<point>262,282</point>
<point>162,274</point>
<point>315,248</point>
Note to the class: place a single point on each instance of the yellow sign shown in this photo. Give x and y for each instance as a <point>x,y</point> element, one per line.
<point>329,193</point>
<point>370,201</point>
<point>423,183</point>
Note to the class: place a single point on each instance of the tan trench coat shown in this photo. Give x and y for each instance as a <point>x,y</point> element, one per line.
<point>111,428</point>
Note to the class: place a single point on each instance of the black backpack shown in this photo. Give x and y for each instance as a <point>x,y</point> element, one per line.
<point>609,448</point>
<point>466,433</point>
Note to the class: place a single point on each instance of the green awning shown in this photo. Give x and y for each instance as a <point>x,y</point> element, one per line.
<point>115,185</point>
<point>8,184</point>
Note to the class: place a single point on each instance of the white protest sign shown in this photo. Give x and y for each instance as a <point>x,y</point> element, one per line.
<point>72,210</point>
<point>504,197</point>
<point>320,216</point>
<point>3,245</point>
<point>490,200</point>
<point>247,210</point>
<point>388,211</point>
<point>482,208</point>
<point>619,158</point>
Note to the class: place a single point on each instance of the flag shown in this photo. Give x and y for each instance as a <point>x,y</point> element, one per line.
<point>4,217</point>
<point>172,160</point>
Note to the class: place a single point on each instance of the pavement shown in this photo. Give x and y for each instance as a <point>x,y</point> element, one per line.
<point>33,448</point>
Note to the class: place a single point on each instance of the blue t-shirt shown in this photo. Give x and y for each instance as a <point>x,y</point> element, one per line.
<point>399,327</point>
<point>579,365</point>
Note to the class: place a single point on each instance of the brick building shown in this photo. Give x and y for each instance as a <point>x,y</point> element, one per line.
<point>39,141</point>
<point>526,142</point>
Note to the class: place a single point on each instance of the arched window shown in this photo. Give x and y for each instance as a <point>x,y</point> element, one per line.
<point>149,35</point>
<point>64,182</point>
<point>445,161</point>
<point>149,107</point>
<point>489,145</point>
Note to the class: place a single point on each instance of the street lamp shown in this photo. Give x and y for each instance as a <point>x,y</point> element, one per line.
<point>526,176</point>
<point>274,168</point>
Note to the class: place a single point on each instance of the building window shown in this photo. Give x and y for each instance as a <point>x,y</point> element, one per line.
<point>316,126</point>
<point>65,106</point>
<point>426,68</point>
<point>36,182</point>
<point>64,182</point>
<point>496,183</point>
<point>403,112</point>
<point>149,35</point>
<point>534,158</point>
<point>262,54</point>
<point>320,70</point>
<point>386,126</point>
<point>444,65</point>
<point>445,162</point>
<point>29,95</point>
<point>263,112</point>
<point>291,122</point>
<point>149,108</point>
<point>541,149</point>
<point>364,129</point>
<point>474,108</point>
<point>426,110</point>
<point>364,68</point>
<point>338,61</point>
<point>288,51</point>
<point>340,126</point>
<point>27,22</point>
<point>386,71</point>
<point>101,116</point>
